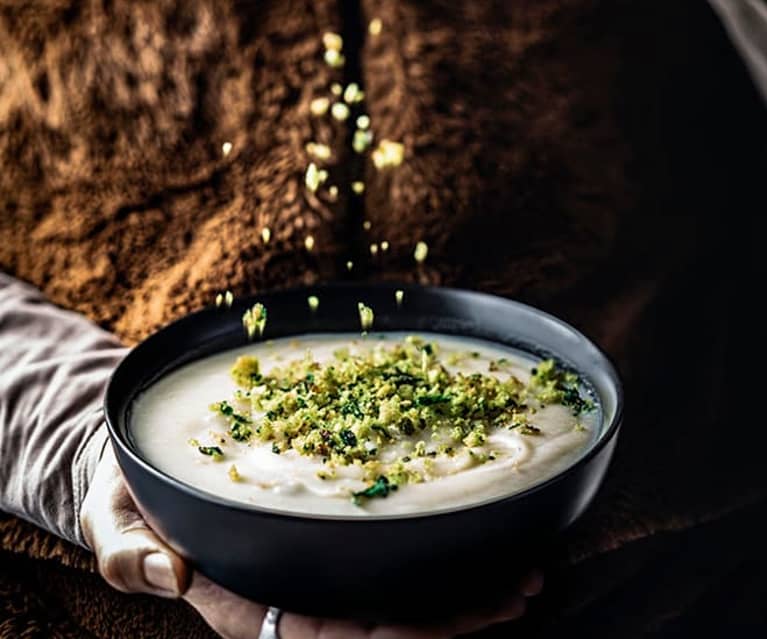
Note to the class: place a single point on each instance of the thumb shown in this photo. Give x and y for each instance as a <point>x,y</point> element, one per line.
<point>130,556</point>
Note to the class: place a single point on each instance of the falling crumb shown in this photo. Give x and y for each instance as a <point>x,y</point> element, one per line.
<point>334,58</point>
<point>358,187</point>
<point>309,242</point>
<point>349,265</point>
<point>333,193</point>
<point>320,151</point>
<point>254,319</point>
<point>315,177</point>
<point>313,302</point>
<point>332,41</point>
<point>366,316</point>
<point>336,89</point>
<point>374,249</point>
<point>226,148</point>
<point>266,234</point>
<point>363,121</point>
<point>225,298</point>
<point>388,154</point>
<point>339,111</point>
<point>375,26</point>
<point>399,295</point>
<point>421,251</point>
<point>353,93</point>
<point>319,106</point>
<point>362,140</point>
<point>366,225</point>
<point>234,475</point>
<point>312,178</point>
<point>384,246</point>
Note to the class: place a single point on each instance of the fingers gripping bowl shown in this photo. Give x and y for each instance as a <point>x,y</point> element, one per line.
<point>386,561</point>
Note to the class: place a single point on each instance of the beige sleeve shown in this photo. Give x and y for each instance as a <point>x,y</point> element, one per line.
<point>54,365</point>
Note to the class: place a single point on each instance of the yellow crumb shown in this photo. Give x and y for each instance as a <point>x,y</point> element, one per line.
<point>421,251</point>
<point>319,106</point>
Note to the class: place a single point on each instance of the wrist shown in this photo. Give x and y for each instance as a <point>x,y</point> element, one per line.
<point>87,458</point>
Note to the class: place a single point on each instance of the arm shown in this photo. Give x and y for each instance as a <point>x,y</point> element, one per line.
<point>54,366</point>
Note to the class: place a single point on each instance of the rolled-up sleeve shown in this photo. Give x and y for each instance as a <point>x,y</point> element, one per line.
<point>54,366</point>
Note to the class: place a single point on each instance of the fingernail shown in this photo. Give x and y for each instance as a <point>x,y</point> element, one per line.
<point>159,573</point>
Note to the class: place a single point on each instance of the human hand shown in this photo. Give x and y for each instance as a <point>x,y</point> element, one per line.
<point>133,559</point>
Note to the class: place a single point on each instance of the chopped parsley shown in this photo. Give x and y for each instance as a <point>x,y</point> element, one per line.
<point>430,400</point>
<point>380,488</point>
<point>239,425</point>
<point>348,438</point>
<point>211,451</point>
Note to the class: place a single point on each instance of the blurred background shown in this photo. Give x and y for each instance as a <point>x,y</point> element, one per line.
<point>603,160</point>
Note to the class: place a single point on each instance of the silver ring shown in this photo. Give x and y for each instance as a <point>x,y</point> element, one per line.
<point>269,625</point>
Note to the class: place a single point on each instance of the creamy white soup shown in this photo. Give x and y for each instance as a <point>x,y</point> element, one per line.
<point>350,425</point>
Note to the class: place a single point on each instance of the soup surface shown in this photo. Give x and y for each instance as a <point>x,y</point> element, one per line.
<point>350,425</point>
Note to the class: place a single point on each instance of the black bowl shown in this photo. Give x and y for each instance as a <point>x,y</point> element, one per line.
<point>381,567</point>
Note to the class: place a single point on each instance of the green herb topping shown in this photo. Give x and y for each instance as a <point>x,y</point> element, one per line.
<point>553,385</point>
<point>239,425</point>
<point>211,451</point>
<point>390,409</point>
<point>380,488</point>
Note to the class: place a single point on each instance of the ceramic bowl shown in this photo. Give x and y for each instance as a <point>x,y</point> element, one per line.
<point>378,567</point>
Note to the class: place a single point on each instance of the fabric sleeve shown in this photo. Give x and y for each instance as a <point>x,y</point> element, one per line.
<point>54,366</point>
<point>746,24</point>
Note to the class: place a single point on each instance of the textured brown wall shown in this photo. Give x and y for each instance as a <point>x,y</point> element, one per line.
<point>119,203</point>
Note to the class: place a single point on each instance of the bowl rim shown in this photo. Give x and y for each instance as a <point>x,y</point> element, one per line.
<point>608,433</point>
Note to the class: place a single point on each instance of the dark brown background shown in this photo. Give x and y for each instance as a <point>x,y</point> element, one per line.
<point>603,160</point>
